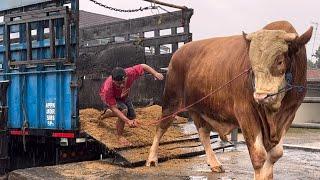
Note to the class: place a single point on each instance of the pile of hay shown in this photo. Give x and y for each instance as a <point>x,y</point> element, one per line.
<point>142,135</point>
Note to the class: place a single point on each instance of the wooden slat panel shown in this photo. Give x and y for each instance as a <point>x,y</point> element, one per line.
<point>28,42</point>
<point>159,61</point>
<point>156,44</point>
<point>166,39</point>
<point>35,6</point>
<point>175,44</point>
<point>7,43</point>
<point>35,20</point>
<point>52,39</point>
<point>145,90</point>
<point>31,62</point>
<point>67,37</point>
<point>36,13</point>
<point>145,24</point>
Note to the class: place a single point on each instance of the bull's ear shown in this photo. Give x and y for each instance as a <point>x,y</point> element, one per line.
<point>246,36</point>
<point>305,37</point>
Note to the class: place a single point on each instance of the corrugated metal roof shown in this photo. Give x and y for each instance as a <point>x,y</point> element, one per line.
<point>88,19</point>
<point>11,4</point>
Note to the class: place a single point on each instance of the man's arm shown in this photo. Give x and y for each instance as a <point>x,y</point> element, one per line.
<point>150,70</point>
<point>120,115</point>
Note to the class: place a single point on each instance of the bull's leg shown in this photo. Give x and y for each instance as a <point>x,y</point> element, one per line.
<point>254,140</point>
<point>161,129</point>
<point>153,154</point>
<point>262,160</point>
<point>266,172</point>
<point>171,100</point>
<point>258,157</point>
<point>204,133</point>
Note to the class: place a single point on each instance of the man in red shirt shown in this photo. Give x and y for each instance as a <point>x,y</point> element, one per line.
<point>114,93</point>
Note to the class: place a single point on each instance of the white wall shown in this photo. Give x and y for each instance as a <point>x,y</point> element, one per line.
<point>308,113</point>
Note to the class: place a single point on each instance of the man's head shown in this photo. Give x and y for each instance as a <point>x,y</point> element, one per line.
<point>119,77</point>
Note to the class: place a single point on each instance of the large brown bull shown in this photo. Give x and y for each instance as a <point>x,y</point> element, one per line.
<point>261,102</point>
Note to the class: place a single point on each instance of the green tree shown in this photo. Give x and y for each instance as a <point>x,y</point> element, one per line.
<point>317,56</point>
<point>317,64</point>
<point>311,64</point>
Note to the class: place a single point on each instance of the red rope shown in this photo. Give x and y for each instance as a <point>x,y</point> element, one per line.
<point>185,108</point>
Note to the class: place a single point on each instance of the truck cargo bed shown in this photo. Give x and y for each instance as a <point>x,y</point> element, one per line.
<point>180,140</point>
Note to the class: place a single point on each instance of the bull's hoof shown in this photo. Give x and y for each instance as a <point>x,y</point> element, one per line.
<point>218,169</point>
<point>151,163</point>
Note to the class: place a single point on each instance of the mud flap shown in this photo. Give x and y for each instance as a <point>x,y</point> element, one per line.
<point>4,139</point>
<point>4,158</point>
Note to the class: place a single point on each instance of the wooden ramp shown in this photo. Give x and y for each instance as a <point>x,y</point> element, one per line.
<point>181,139</point>
<point>170,150</point>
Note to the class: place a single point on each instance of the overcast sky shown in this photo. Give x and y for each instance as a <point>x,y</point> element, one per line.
<point>228,17</point>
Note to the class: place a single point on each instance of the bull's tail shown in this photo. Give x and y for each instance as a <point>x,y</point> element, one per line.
<point>172,99</point>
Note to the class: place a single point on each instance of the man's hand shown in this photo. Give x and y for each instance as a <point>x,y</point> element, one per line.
<point>124,92</point>
<point>132,123</point>
<point>150,70</point>
<point>159,76</point>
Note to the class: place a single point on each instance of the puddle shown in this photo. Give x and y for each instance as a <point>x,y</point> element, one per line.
<point>198,177</point>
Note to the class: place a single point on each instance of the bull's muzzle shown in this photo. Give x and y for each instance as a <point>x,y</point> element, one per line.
<point>264,98</point>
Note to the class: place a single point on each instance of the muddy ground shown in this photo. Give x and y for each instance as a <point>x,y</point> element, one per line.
<point>296,163</point>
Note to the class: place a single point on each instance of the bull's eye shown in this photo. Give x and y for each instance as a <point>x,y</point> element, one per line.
<point>278,68</point>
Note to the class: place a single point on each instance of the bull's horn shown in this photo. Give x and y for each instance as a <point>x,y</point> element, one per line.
<point>290,37</point>
<point>305,37</point>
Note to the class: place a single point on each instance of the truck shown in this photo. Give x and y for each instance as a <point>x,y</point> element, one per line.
<point>39,93</point>
<point>41,75</point>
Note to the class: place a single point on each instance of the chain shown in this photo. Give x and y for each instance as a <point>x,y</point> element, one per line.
<point>123,10</point>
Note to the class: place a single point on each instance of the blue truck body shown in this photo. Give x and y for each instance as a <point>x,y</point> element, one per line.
<point>38,84</point>
<point>39,95</point>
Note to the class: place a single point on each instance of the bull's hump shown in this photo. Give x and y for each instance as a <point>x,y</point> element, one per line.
<point>280,25</point>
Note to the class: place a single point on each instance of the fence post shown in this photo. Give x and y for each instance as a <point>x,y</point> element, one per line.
<point>234,137</point>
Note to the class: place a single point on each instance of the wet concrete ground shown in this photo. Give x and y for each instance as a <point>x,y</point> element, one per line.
<point>295,164</point>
